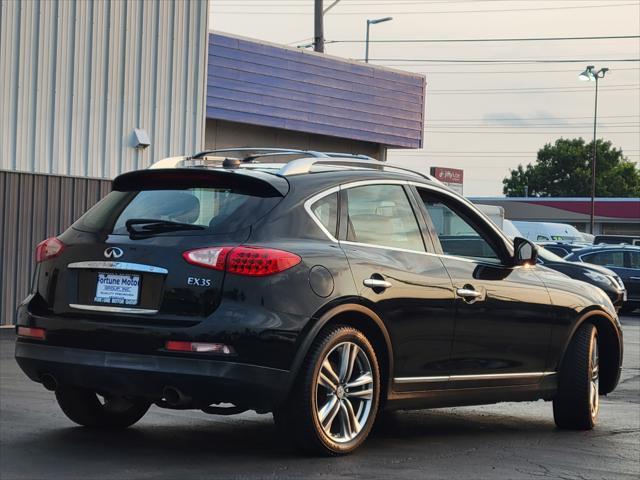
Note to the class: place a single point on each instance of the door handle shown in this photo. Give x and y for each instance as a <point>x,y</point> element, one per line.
<point>634,278</point>
<point>468,294</point>
<point>376,283</point>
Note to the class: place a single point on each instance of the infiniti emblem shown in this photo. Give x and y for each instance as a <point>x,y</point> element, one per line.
<point>113,252</point>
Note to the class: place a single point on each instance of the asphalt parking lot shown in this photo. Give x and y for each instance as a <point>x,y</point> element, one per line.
<point>510,440</point>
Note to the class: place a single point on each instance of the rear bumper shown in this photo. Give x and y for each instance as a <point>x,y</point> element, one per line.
<point>206,381</point>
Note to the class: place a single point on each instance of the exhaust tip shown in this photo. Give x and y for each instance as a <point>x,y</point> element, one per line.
<point>172,396</point>
<point>49,382</point>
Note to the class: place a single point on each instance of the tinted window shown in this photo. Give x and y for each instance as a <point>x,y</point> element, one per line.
<point>216,210</point>
<point>382,215</point>
<point>557,250</point>
<point>634,259</point>
<point>326,210</point>
<point>613,259</point>
<point>458,234</point>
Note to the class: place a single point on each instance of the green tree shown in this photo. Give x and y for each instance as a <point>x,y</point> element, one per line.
<point>563,169</point>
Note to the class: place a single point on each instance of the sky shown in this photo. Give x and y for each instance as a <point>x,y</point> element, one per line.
<point>485,118</point>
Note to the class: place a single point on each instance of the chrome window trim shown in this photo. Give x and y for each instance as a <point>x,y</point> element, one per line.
<point>102,308</point>
<point>131,267</point>
<point>309,203</point>
<point>483,376</point>
<point>361,183</point>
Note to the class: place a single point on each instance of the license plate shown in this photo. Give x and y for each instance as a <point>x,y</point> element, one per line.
<point>120,289</point>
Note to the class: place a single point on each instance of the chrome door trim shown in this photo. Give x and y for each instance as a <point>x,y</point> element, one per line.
<point>101,308</point>
<point>376,283</point>
<point>484,376</point>
<point>131,267</point>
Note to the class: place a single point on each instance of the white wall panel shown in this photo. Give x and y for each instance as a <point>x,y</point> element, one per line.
<point>76,78</point>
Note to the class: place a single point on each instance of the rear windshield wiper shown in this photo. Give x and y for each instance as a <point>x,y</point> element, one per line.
<point>149,226</point>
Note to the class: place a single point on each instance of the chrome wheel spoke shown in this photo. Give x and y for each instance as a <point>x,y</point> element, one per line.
<point>328,376</point>
<point>328,413</point>
<point>361,381</point>
<point>348,357</point>
<point>354,424</point>
<point>361,394</point>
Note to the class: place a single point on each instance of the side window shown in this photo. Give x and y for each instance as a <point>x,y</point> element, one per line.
<point>326,210</point>
<point>634,259</point>
<point>458,233</point>
<point>612,259</point>
<point>382,215</point>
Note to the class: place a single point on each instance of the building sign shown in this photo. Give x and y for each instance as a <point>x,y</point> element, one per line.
<point>451,177</point>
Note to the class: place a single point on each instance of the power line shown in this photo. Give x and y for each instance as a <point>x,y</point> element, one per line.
<point>519,72</point>
<point>506,132</point>
<point>510,61</point>
<point>430,12</point>
<point>526,118</point>
<point>477,40</point>
<point>534,88</point>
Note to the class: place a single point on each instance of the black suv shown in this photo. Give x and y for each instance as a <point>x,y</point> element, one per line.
<point>324,290</point>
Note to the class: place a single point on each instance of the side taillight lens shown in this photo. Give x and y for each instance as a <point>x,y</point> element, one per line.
<point>251,261</point>
<point>49,248</point>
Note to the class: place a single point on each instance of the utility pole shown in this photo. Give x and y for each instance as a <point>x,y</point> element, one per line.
<point>318,30</point>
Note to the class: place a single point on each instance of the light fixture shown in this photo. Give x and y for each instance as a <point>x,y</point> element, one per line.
<point>587,75</point>
<point>369,23</point>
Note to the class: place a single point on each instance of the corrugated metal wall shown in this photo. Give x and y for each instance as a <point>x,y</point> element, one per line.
<point>32,208</point>
<point>275,86</point>
<point>76,77</point>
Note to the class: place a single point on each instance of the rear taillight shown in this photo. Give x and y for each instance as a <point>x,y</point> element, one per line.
<point>49,248</point>
<point>251,261</point>
<point>32,332</point>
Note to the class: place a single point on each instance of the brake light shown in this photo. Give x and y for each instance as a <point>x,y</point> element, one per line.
<point>48,249</point>
<point>178,346</point>
<point>32,332</point>
<point>251,261</point>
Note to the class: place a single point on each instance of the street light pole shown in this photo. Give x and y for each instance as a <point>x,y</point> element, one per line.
<point>366,42</point>
<point>591,75</point>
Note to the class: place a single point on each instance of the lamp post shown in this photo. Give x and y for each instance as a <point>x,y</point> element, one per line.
<point>369,23</point>
<point>591,75</point>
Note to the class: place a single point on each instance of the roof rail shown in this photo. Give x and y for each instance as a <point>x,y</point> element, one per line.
<point>304,165</point>
<point>253,153</point>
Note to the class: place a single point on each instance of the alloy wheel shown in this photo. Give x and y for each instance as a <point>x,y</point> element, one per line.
<point>344,392</point>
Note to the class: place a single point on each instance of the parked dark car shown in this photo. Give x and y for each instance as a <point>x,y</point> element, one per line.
<point>562,249</point>
<point>601,277</point>
<point>322,290</point>
<point>622,259</point>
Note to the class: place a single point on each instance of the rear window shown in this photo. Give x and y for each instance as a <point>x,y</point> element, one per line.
<point>208,210</point>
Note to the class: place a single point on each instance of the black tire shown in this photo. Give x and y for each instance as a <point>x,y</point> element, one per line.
<point>299,419</point>
<point>85,408</point>
<point>576,404</point>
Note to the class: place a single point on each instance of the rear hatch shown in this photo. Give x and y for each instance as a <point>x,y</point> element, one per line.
<point>124,257</point>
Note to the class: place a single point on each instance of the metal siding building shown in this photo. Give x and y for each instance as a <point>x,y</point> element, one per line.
<point>76,78</point>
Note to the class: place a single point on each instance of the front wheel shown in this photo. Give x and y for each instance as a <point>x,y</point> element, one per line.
<point>335,399</point>
<point>86,408</point>
<point>577,402</point>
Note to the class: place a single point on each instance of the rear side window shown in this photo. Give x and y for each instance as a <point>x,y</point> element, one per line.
<point>382,215</point>
<point>207,210</point>
<point>326,211</point>
<point>613,259</point>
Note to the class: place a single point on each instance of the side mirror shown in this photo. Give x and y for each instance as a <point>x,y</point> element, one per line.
<point>525,252</point>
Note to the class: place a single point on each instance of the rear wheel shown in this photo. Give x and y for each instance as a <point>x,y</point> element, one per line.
<point>334,402</point>
<point>577,402</point>
<point>86,408</point>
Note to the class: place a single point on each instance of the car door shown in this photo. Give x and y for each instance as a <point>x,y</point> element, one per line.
<point>409,289</point>
<point>503,314</point>
<point>632,267</point>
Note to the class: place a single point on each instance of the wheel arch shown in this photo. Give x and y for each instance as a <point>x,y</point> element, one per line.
<point>362,318</point>
<point>609,344</point>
